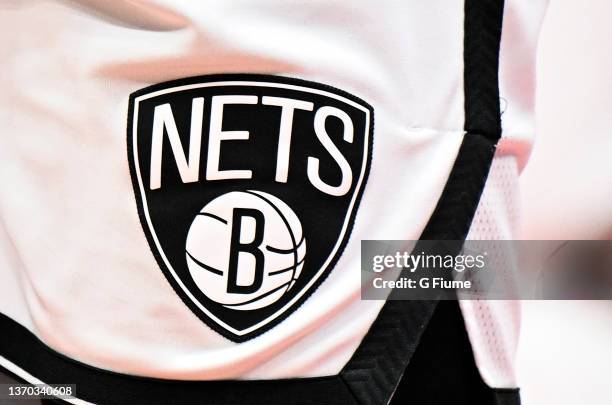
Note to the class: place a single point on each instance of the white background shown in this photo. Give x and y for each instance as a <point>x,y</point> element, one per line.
<point>565,356</point>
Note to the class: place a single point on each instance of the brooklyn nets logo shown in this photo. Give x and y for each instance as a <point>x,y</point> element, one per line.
<point>247,187</point>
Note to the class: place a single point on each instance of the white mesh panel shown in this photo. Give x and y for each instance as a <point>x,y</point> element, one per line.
<point>493,326</point>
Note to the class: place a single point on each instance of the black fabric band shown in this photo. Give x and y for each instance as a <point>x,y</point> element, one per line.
<point>376,369</point>
<point>21,347</point>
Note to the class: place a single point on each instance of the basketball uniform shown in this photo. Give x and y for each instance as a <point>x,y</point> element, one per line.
<point>187,184</point>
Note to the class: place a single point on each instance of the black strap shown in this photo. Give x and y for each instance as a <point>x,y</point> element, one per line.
<point>377,366</point>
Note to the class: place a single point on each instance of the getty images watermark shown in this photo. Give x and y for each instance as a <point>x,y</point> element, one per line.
<point>413,261</point>
<point>424,270</point>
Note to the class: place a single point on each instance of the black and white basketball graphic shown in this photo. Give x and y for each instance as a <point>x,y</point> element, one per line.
<point>247,187</point>
<point>245,249</point>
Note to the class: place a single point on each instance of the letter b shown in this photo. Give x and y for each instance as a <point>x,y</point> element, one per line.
<point>252,248</point>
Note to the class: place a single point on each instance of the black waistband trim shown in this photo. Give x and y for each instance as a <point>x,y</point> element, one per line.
<point>22,348</point>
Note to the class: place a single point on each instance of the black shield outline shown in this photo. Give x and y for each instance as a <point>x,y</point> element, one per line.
<point>251,80</point>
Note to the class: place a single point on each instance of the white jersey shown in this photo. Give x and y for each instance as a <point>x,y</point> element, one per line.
<point>128,211</point>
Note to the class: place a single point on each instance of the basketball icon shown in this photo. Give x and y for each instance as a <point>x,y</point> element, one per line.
<point>245,249</point>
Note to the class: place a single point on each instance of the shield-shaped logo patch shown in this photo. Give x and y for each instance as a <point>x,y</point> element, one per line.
<point>247,187</point>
